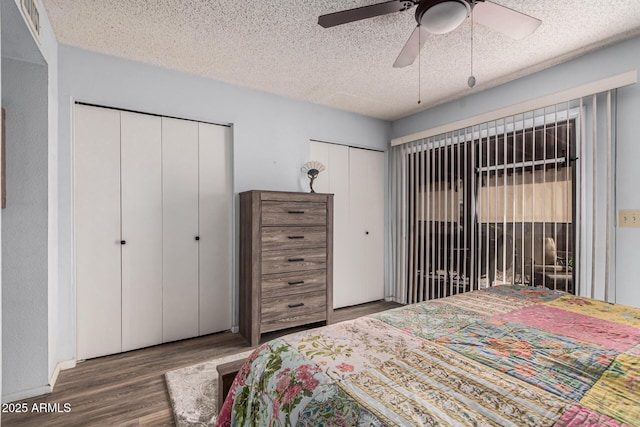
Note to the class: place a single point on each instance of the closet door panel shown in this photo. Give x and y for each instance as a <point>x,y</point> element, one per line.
<point>358,227</point>
<point>141,161</point>
<point>335,180</point>
<point>375,225</point>
<point>366,212</point>
<point>180,228</point>
<point>339,182</point>
<point>215,228</point>
<point>97,230</point>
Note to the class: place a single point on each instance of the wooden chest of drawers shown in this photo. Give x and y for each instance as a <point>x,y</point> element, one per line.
<point>286,261</point>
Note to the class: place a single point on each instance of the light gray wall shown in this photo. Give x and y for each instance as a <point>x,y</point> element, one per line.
<point>18,44</point>
<point>627,193</point>
<point>603,63</point>
<point>270,135</point>
<point>24,228</point>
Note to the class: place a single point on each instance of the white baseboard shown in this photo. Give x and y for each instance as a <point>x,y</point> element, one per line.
<point>46,389</point>
<point>235,329</point>
<point>60,366</point>
<point>25,394</point>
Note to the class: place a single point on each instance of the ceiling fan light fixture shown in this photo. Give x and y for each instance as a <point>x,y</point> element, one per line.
<point>441,17</point>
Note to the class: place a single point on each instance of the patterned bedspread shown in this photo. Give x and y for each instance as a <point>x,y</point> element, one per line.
<point>506,356</point>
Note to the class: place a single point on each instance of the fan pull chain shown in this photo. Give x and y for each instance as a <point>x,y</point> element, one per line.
<point>419,66</point>
<point>472,80</point>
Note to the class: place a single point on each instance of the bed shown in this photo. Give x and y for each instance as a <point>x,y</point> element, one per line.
<point>503,356</point>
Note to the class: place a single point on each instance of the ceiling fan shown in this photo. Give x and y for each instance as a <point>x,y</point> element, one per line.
<point>439,17</point>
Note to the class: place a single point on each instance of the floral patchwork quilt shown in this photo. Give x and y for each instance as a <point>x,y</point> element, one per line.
<point>503,356</point>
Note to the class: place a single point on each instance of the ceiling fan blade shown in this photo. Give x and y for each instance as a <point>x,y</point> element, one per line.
<point>351,15</point>
<point>507,21</point>
<point>411,49</point>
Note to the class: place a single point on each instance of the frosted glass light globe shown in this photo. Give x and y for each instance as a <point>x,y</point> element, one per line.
<point>444,17</point>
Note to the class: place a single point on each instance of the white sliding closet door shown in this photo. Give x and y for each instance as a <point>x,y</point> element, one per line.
<point>366,213</point>
<point>153,226</point>
<point>373,207</point>
<point>356,178</point>
<point>215,228</point>
<point>141,154</point>
<point>97,230</point>
<point>180,228</point>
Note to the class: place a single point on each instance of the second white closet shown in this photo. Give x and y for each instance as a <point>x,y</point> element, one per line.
<point>356,178</point>
<point>153,223</point>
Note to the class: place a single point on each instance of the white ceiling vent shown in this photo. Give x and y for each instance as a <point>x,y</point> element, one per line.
<point>32,13</point>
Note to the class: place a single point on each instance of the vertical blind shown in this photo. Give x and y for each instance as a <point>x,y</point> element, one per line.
<point>507,202</point>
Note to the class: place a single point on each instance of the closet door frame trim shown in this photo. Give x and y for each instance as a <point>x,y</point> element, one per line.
<point>128,110</point>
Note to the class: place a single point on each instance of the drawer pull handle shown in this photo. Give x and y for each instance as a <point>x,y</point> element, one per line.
<point>295,259</point>
<point>300,304</point>
<point>297,282</point>
<point>296,237</point>
<point>296,212</point>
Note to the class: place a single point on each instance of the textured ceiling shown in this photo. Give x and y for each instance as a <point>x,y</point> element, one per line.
<point>277,46</point>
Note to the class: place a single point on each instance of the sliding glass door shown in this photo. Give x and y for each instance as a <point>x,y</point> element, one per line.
<point>525,187</point>
<point>486,205</point>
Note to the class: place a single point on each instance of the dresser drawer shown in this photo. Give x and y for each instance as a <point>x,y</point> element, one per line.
<point>282,285</point>
<point>294,213</point>
<point>294,310</point>
<point>274,238</point>
<point>294,260</point>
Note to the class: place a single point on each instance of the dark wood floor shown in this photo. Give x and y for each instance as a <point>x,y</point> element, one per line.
<point>128,389</point>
